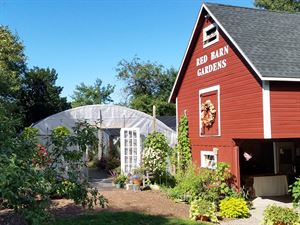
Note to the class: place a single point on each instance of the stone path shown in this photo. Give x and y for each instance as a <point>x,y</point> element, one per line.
<point>259,204</point>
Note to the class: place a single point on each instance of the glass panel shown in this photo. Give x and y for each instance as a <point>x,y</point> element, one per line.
<point>134,134</point>
<point>126,169</point>
<point>134,142</point>
<point>134,151</point>
<point>130,142</point>
<point>126,151</point>
<point>130,151</point>
<point>130,134</point>
<point>126,159</point>
<point>126,134</point>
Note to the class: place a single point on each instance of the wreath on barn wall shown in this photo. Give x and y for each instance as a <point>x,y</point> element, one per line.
<point>208,113</point>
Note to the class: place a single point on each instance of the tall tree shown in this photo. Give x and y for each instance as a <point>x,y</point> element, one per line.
<point>279,5</point>
<point>12,69</point>
<point>92,94</point>
<point>147,84</point>
<point>39,96</point>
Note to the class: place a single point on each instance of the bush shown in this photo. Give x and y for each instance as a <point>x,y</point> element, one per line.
<point>189,185</point>
<point>275,214</point>
<point>121,179</point>
<point>155,154</point>
<point>295,190</point>
<point>211,185</point>
<point>202,208</point>
<point>234,208</point>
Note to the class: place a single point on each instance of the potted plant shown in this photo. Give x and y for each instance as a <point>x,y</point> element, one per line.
<point>137,177</point>
<point>120,180</point>
<point>277,215</point>
<point>203,210</point>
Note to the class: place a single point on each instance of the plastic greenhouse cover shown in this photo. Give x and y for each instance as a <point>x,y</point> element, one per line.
<point>112,116</point>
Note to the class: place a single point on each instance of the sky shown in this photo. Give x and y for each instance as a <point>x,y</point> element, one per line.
<point>86,39</point>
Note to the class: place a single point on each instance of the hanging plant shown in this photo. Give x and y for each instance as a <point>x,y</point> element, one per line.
<point>208,113</point>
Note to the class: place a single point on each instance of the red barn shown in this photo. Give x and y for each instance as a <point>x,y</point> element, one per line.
<point>239,85</point>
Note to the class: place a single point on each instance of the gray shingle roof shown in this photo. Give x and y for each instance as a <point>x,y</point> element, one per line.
<point>271,40</point>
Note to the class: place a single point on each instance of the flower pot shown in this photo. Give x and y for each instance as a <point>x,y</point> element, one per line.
<point>118,186</point>
<point>202,218</point>
<point>137,182</point>
<point>280,223</point>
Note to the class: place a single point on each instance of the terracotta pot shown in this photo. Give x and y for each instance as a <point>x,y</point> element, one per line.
<point>202,218</point>
<point>279,223</point>
<point>137,182</point>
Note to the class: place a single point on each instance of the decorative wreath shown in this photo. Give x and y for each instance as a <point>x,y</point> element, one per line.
<point>208,113</point>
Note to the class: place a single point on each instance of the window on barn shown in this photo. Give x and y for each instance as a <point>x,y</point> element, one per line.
<point>208,159</point>
<point>210,35</point>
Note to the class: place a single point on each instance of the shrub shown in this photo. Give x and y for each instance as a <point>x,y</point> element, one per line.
<point>201,207</point>
<point>121,179</point>
<point>155,154</point>
<point>275,214</point>
<point>189,185</point>
<point>234,208</point>
<point>295,190</point>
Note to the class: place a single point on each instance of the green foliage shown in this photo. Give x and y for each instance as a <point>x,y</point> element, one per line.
<point>183,152</point>
<point>30,173</point>
<point>295,190</point>
<point>39,97</point>
<point>93,94</point>
<point>147,84</point>
<point>279,5</point>
<point>121,179</point>
<point>211,185</point>
<point>12,63</point>
<point>156,151</point>
<point>201,207</point>
<point>275,214</point>
<point>234,208</point>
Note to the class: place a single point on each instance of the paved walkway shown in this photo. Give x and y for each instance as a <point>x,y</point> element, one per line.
<point>259,204</point>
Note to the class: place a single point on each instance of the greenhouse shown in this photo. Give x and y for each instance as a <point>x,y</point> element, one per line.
<point>120,131</point>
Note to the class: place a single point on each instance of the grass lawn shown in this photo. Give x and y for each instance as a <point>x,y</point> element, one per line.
<point>123,218</point>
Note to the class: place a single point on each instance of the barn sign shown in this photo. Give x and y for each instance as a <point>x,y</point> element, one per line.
<point>217,54</point>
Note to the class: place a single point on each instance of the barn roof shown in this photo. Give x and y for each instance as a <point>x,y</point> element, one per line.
<point>269,41</point>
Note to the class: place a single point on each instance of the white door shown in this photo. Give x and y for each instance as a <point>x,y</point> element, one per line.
<point>130,149</point>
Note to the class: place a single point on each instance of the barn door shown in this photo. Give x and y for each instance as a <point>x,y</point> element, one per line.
<point>130,149</point>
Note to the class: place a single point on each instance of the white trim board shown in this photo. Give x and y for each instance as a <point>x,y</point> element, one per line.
<point>203,91</point>
<point>266,109</point>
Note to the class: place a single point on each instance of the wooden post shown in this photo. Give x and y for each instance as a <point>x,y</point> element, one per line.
<point>99,124</point>
<point>154,119</point>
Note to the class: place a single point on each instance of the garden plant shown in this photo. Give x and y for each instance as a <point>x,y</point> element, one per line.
<point>31,173</point>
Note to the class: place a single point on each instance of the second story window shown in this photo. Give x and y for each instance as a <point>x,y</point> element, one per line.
<point>210,35</point>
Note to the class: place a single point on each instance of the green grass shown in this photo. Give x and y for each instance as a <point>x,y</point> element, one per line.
<point>123,218</point>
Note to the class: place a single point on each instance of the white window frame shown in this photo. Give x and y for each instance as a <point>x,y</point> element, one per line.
<point>207,90</point>
<point>203,161</point>
<point>205,37</point>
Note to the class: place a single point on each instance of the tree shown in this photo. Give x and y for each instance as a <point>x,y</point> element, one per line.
<point>93,94</point>
<point>39,96</point>
<point>147,84</point>
<point>12,63</point>
<point>279,5</point>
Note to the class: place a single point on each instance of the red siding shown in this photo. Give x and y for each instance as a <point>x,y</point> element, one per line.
<point>241,111</point>
<point>285,109</point>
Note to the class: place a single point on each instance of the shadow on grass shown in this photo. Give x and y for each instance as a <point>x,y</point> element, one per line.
<point>123,218</point>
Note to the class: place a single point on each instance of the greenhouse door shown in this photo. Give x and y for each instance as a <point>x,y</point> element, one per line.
<point>130,149</point>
